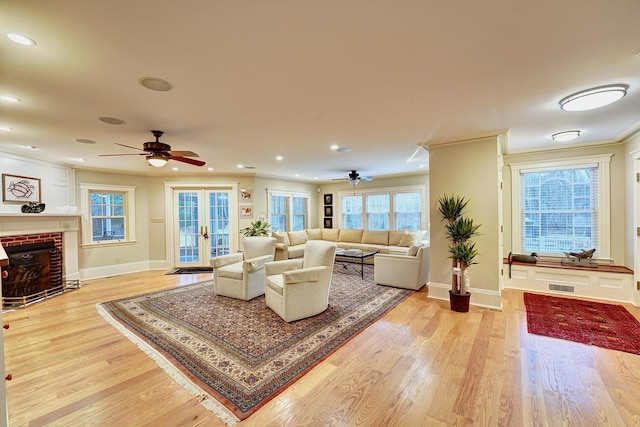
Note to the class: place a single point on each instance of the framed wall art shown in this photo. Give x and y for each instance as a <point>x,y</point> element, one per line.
<point>328,199</point>
<point>328,211</point>
<point>246,211</point>
<point>20,189</point>
<point>328,223</point>
<point>246,195</point>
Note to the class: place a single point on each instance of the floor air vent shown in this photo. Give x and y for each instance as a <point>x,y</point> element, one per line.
<point>562,288</point>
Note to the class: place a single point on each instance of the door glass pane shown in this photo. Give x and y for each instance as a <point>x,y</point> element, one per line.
<point>219,223</point>
<point>188,225</point>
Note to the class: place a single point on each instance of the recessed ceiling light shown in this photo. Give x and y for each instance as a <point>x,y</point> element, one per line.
<point>343,150</point>
<point>154,83</point>
<point>174,168</point>
<point>8,98</point>
<point>5,129</point>
<point>30,147</point>
<point>20,39</point>
<point>112,120</point>
<point>80,159</point>
<point>85,141</point>
<point>239,165</point>
<point>568,135</point>
<point>334,147</point>
<point>279,158</point>
<point>209,168</point>
<point>596,97</point>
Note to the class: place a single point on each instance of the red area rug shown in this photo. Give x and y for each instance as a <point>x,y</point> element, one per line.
<point>588,322</point>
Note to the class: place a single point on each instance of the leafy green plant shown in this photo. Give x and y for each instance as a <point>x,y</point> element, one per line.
<point>464,253</point>
<point>462,229</point>
<point>257,228</point>
<point>451,207</point>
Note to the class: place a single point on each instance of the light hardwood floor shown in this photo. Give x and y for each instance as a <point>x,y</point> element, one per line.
<point>420,365</point>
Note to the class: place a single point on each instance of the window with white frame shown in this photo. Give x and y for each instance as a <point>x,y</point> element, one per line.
<point>560,206</point>
<point>288,211</point>
<point>108,213</point>
<point>395,208</point>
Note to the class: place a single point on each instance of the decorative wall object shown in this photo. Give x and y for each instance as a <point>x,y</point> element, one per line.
<point>328,223</point>
<point>246,211</point>
<point>328,199</point>
<point>328,211</point>
<point>20,189</point>
<point>246,195</point>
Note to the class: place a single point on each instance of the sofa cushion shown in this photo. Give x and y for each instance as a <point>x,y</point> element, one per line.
<point>394,237</point>
<point>375,237</point>
<point>281,237</point>
<point>297,237</point>
<point>330,234</point>
<point>407,239</point>
<point>296,251</point>
<point>314,234</point>
<point>348,235</point>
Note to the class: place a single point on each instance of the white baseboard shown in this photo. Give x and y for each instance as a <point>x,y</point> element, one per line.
<point>118,269</point>
<point>479,297</point>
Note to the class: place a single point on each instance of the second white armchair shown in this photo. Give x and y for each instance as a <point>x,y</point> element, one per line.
<point>299,288</point>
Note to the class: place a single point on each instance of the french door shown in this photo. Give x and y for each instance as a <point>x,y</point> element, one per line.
<point>202,226</point>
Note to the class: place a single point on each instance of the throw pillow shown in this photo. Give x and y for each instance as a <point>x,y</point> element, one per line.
<point>406,240</point>
<point>413,249</point>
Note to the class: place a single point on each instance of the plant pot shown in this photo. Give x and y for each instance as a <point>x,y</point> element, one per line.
<point>459,302</point>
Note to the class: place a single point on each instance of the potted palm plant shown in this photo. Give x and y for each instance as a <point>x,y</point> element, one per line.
<point>462,252</point>
<point>257,228</point>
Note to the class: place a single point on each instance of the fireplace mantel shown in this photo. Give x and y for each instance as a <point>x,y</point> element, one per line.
<point>19,224</point>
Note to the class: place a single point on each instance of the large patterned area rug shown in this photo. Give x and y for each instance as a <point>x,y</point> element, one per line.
<point>604,325</point>
<point>237,354</point>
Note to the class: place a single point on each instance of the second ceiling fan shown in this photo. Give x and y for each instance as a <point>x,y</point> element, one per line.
<point>354,178</point>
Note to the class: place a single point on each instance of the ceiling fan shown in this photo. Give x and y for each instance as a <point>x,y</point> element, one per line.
<point>354,178</point>
<point>158,153</point>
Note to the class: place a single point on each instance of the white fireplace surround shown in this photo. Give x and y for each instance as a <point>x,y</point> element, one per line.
<point>12,224</point>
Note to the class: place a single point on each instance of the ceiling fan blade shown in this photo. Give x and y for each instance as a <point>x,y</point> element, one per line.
<point>183,154</point>
<point>188,160</point>
<point>123,154</point>
<point>366,178</point>
<point>128,146</point>
<point>340,179</point>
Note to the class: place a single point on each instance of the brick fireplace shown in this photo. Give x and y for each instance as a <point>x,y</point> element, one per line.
<point>60,231</point>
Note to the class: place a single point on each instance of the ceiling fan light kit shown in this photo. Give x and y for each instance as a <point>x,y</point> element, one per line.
<point>157,159</point>
<point>593,98</point>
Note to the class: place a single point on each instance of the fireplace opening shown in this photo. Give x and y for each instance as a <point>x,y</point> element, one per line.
<point>32,273</point>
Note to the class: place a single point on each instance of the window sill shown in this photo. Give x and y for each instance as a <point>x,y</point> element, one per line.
<point>104,243</point>
<point>602,268</point>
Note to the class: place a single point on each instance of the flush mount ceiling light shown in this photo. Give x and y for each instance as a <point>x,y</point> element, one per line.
<point>20,39</point>
<point>157,159</point>
<point>568,135</point>
<point>596,97</point>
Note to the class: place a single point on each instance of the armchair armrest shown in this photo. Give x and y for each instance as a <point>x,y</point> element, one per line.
<point>279,267</point>
<point>282,246</point>
<point>302,275</point>
<point>255,264</point>
<point>223,260</point>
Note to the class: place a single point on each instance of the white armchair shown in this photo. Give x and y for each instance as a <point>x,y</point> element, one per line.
<point>241,275</point>
<point>299,288</point>
<point>403,271</point>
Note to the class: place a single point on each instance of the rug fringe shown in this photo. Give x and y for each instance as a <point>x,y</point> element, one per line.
<point>205,399</point>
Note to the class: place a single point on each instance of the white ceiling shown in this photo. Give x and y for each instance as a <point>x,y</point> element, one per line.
<point>254,79</point>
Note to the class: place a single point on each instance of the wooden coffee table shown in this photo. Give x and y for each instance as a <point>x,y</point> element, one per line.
<point>354,256</point>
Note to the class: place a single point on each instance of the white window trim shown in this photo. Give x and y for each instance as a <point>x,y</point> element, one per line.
<point>337,211</point>
<point>290,195</point>
<point>85,212</point>
<point>603,163</point>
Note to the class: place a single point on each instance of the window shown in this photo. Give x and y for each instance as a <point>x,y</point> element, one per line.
<point>288,211</point>
<point>109,214</point>
<point>558,206</point>
<point>384,209</point>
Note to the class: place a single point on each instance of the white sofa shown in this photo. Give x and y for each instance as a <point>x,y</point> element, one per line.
<point>290,245</point>
<point>410,271</point>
